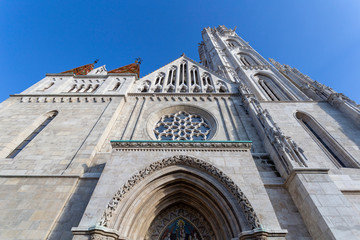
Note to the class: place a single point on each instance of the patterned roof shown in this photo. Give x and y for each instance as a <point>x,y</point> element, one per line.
<point>131,68</point>
<point>83,70</point>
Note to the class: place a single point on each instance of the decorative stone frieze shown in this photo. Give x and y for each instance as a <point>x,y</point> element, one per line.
<point>185,145</point>
<point>63,99</point>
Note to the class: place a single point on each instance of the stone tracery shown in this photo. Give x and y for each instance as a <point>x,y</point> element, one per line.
<point>182,126</point>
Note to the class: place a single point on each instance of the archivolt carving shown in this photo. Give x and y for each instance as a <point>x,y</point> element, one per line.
<point>181,210</point>
<point>249,212</point>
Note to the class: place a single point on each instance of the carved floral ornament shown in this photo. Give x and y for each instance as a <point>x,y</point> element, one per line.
<point>107,217</point>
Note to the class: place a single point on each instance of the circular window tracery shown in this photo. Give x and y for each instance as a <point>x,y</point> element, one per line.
<point>182,126</point>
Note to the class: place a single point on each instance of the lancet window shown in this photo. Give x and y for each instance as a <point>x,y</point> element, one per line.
<point>232,43</point>
<point>207,83</point>
<point>159,82</point>
<point>27,140</point>
<point>116,87</point>
<point>171,79</point>
<point>247,60</point>
<point>272,88</point>
<point>328,144</point>
<point>48,86</point>
<point>84,88</point>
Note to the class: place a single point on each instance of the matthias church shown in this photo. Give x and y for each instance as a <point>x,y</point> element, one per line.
<point>231,147</point>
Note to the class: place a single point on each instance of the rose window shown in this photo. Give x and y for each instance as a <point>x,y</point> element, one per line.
<point>182,126</point>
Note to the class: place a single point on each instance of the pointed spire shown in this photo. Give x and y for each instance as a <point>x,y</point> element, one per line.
<point>83,70</point>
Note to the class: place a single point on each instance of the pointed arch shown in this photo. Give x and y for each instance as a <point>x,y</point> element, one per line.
<point>247,59</point>
<point>339,156</point>
<point>272,88</point>
<point>180,179</point>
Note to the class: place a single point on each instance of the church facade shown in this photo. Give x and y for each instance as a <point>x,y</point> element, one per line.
<point>233,147</point>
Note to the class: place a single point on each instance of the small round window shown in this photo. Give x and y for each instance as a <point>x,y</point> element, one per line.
<point>182,126</point>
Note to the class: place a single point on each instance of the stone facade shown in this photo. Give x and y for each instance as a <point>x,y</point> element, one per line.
<point>229,148</point>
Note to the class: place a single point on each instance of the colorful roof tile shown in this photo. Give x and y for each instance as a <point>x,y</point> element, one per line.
<point>83,70</point>
<point>131,68</point>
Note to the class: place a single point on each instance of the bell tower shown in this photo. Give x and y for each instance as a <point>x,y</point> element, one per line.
<point>223,51</point>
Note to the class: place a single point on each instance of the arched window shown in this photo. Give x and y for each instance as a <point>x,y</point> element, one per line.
<point>272,88</point>
<point>81,88</point>
<point>117,85</point>
<point>159,82</point>
<point>48,86</point>
<point>232,43</point>
<point>23,144</point>
<point>95,88</point>
<point>328,144</point>
<point>247,60</point>
<point>73,88</point>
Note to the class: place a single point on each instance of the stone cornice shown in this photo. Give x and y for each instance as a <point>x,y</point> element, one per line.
<point>64,98</point>
<point>293,101</point>
<point>298,170</point>
<point>67,95</point>
<point>185,94</point>
<point>90,76</point>
<point>182,145</point>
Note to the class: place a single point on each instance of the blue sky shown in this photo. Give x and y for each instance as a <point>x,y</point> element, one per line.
<point>319,37</point>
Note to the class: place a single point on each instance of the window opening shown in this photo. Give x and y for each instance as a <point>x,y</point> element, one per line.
<point>23,144</point>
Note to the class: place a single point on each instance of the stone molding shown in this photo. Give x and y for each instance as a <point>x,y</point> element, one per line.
<point>64,99</point>
<point>162,220</point>
<point>296,171</point>
<point>256,67</point>
<point>249,212</point>
<point>285,146</point>
<point>204,95</point>
<point>263,234</point>
<point>243,146</point>
<point>97,233</point>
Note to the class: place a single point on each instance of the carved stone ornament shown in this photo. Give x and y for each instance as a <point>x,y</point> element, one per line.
<point>219,146</point>
<point>181,210</point>
<point>100,237</point>
<point>285,146</point>
<point>253,220</point>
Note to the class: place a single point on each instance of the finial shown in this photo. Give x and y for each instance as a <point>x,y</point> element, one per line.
<point>235,28</point>
<point>183,55</point>
<point>96,61</point>
<point>138,60</point>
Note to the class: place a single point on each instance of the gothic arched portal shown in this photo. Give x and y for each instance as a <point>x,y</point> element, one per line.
<point>180,187</point>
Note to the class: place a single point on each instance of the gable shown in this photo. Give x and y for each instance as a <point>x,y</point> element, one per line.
<point>184,75</point>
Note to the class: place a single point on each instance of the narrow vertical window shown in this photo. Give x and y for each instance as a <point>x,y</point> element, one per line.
<point>96,87</point>
<point>192,77</point>
<point>48,86</point>
<point>116,86</point>
<point>173,77</point>
<point>328,144</point>
<point>23,144</point>
<point>169,77</point>
<point>196,77</point>
<point>273,89</point>
<point>73,88</point>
